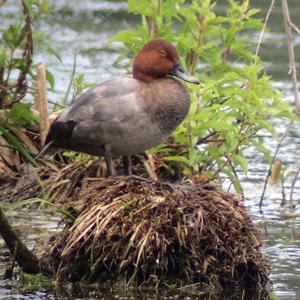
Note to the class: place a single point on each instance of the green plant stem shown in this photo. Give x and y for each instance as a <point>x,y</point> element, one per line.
<point>195,53</point>
<point>65,101</point>
<point>293,183</point>
<point>59,208</point>
<point>158,7</point>
<point>263,29</point>
<point>237,178</point>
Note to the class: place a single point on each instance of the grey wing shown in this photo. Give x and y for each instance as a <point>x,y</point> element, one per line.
<point>100,112</point>
<point>102,95</point>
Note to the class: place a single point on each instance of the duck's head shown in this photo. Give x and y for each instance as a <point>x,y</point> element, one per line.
<point>158,59</point>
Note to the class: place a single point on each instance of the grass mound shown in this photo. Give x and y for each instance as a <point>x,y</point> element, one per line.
<point>145,231</point>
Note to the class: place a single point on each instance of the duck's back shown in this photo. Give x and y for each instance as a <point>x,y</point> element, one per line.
<point>125,113</point>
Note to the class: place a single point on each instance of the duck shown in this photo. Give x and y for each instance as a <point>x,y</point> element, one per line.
<point>127,115</point>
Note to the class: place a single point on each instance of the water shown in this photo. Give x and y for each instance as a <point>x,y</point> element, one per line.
<point>84,28</point>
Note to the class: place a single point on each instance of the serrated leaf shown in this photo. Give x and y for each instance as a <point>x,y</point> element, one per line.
<point>14,36</point>
<point>261,148</point>
<point>127,36</point>
<point>242,161</point>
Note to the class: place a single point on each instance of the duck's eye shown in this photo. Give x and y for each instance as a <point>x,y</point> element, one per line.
<point>163,53</point>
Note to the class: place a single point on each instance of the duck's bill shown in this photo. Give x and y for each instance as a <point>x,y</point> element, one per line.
<point>181,73</point>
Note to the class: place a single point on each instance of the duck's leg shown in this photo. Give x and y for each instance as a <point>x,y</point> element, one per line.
<point>127,165</point>
<point>108,160</point>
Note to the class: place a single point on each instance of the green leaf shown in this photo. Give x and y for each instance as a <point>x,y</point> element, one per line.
<point>29,6</point>
<point>236,183</point>
<point>242,161</point>
<point>14,36</point>
<point>31,201</point>
<point>51,51</point>
<point>273,296</point>
<point>261,148</point>
<point>145,7</point>
<point>3,56</point>
<point>177,158</point>
<point>50,78</point>
<point>18,63</point>
<point>21,114</point>
<point>14,142</point>
<point>236,99</point>
<point>127,36</point>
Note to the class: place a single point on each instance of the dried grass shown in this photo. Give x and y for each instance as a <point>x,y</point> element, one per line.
<point>153,232</point>
<point>54,182</point>
<point>10,160</point>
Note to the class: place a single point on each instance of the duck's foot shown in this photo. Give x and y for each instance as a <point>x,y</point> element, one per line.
<point>127,165</point>
<point>111,172</point>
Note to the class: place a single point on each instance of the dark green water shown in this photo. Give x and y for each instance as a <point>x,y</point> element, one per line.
<point>84,27</point>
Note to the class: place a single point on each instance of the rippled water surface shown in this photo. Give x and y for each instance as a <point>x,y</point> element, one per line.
<point>84,27</point>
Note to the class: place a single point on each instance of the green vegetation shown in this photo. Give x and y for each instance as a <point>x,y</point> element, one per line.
<point>16,72</point>
<point>31,282</point>
<point>235,100</point>
<point>69,218</point>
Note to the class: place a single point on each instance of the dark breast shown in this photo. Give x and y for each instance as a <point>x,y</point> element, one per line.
<point>168,103</point>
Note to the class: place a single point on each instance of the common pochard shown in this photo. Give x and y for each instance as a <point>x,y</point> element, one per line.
<point>127,115</point>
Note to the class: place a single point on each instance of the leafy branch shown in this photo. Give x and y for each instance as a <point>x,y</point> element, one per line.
<point>236,99</point>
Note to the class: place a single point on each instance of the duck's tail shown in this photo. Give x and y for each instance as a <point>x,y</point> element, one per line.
<point>59,136</point>
<point>49,143</point>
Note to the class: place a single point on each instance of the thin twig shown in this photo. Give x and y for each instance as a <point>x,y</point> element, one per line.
<point>283,191</point>
<point>237,178</point>
<point>295,27</point>
<point>293,183</point>
<point>264,28</point>
<point>65,101</point>
<point>57,104</point>
<point>205,138</point>
<point>284,135</point>
<point>293,70</point>
<point>14,260</point>
<point>27,54</point>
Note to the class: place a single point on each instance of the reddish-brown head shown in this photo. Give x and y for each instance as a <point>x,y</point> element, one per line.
<point>157,59</point>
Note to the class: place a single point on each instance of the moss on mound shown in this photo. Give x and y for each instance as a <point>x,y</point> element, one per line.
<point>145,231</point>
